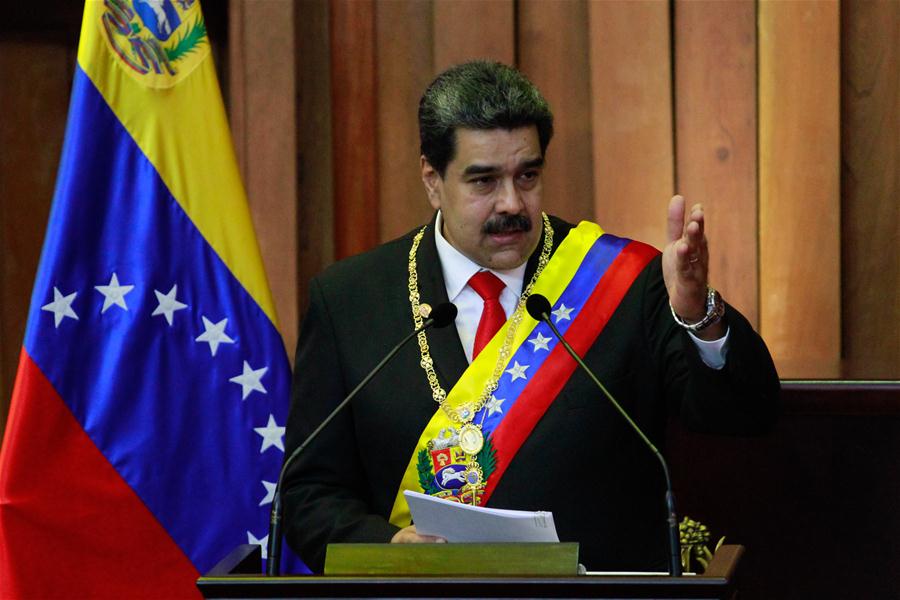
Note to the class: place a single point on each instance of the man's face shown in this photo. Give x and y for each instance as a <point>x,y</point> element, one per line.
<point>490,195</point>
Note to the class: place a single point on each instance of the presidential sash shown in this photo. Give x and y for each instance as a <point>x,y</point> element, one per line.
<point>585,280</point>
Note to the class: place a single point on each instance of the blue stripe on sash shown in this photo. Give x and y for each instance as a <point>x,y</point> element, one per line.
<point>597,260</point>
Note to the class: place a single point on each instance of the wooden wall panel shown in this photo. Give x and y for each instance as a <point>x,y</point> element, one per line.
<point>554,51</point>
<point>262,99</point>
<point>632,116</point>
<point>315,184</point>
<point>36,78</point>
<point>404,63</point>
<point>716,158</point>
<point>470,29</point>
<point>352,30</point>
<point>799,186</point>
<point>870,186</point>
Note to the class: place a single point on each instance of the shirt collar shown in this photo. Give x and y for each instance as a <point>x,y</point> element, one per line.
<point>459,268</point>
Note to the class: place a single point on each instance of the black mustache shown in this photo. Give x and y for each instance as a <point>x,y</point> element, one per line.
<point>507,224</point>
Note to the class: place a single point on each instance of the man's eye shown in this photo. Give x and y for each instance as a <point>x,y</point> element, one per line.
<point>482,181</point>
<point>529,178</point>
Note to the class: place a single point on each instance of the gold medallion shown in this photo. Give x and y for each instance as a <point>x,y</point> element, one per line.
<point>471,440</point>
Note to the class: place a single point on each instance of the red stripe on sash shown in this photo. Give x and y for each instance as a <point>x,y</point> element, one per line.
<point>547,383</point>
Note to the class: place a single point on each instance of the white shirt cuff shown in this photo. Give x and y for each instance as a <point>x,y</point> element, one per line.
<point>712,353</point>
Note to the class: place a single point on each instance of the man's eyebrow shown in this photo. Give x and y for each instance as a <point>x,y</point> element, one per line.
<point>535,162</point>
<point>480,169</point>
<point>483,169</point>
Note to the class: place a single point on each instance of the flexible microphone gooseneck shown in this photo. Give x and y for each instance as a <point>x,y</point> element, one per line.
<point>539,308</point>
<point>441,316</point>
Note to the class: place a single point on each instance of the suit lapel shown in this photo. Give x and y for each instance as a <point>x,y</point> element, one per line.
<point>446,348</point>
<point>560,231</point>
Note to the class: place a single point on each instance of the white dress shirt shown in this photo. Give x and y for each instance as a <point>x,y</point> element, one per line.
<point>458,269</point>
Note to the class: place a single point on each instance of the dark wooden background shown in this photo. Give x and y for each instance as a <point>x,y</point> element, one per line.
<point>781,116</point>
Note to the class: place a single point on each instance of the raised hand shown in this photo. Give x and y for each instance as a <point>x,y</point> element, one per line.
<point>685,264</point>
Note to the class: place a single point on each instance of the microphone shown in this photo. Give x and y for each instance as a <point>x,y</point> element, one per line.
<point>539,308</point>
<point>441,316</point>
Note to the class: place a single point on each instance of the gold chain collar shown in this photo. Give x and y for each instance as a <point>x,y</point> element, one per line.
<point>466,412</point>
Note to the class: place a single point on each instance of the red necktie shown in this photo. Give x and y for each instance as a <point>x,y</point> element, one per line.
<point>488,286</point>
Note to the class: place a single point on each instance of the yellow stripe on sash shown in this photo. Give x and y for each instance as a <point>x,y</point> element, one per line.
<point>552,282</point>
<point>180,125</point>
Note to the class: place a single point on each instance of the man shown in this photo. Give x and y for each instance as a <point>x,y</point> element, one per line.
<point>503,418</point>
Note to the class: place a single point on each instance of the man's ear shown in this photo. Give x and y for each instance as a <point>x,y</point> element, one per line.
<point>432,180</point>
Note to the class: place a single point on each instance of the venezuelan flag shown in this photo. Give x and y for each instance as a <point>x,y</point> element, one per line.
<point>147,418</point>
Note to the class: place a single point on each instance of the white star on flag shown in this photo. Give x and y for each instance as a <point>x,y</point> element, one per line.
<point>249,380</point>
<point>494,405</point>
<point>264,542</point>
<point>539,342</point>
<point>61,307</point>
<point>168,304</point>
<point>562,313</point>
<point>270,492</point>
<point>518,371</point>
<point>214,334</point>
<point>271,435</point>
<point>113,294</point>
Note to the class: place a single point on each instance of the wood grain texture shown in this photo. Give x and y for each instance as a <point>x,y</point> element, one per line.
<point>352,27</point>
<point>405,68</point>
<point>716,158</point>
<point>559,65</point>
<point>633,148</point>
<point>799,139</point>
<point>469,29</point>
<point>870,185</point>
<point>36,77</point>
<point>263,96</point>
<point>315,184</point>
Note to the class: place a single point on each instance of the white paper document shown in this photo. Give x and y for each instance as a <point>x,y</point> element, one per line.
<point>457,522</point>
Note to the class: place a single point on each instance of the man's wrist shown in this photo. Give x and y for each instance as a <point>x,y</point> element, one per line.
<point>715,310</point>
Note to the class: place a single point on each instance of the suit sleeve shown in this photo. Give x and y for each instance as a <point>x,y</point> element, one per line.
<point>325,497</point>
<point>741,398</point>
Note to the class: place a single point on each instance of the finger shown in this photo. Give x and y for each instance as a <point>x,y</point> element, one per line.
<point>697,215</point>
<point>694,233</point>
<point>684,255</point>
<point>675,218</point>
<point>434,539</point>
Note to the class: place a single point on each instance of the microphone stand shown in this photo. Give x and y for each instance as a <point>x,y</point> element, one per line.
<point>442,315</point>
<point>539,309</point>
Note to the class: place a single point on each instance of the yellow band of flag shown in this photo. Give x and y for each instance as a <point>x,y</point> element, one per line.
<point>198,165</point>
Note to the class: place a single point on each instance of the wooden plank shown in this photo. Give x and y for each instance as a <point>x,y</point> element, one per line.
<point>559,66</point>
<point>315,185</point>
<point>799,186</point>
<point>263,95</point>
<point>716,154</point>
<point>352,26</point>
<point>404,51</point>
<point>36,76</point>
<point>469,29</point>
<point>633,149</point>
<point>870,186</point>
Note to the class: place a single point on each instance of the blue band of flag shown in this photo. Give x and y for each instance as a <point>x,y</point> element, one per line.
<point>157,403</point>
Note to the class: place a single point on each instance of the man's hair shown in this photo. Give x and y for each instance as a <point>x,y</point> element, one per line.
<point>478,95</point>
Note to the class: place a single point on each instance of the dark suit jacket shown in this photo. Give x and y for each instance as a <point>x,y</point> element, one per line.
<point>582,461</point>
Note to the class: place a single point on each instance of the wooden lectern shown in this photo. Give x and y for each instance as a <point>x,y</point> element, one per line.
<point>239,576</point>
